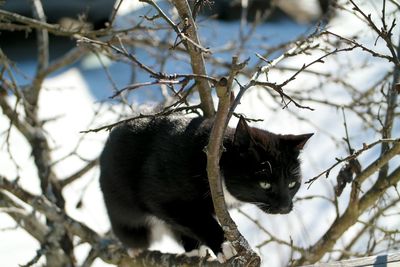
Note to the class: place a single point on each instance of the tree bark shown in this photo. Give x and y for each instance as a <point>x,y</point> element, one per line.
<point>196,56</point>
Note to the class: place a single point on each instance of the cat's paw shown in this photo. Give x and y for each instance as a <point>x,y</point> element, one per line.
<point>202,252</point>
<point>228,251</point>
<point>192,253</point>
<point>134,252</point>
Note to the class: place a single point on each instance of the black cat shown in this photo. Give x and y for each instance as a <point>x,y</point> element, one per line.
<point>154,170</point>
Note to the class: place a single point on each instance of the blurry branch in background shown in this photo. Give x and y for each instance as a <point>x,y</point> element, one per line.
<point>375,106</point>
<point>368,226</point>
<point>383,32</point>
<point>108,250</point>
<point>361,201</point>
<point>271,237</point>
<point>62,250</point>
<point>27,24</point>
<point>376,165</point>
<point>189,37</point>
<point>42,37</point>
<point>78,174</point>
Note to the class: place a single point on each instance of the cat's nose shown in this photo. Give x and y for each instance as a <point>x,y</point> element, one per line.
<point>285,205</point>
<point>285,209</point>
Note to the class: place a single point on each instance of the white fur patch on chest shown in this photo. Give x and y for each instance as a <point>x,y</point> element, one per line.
<point>230,200</point>
<point>158,228</point>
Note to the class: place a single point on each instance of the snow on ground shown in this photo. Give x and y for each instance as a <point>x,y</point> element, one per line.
<point>73,96</point>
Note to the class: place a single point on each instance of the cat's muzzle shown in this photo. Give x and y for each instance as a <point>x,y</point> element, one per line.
<point>276,209</point>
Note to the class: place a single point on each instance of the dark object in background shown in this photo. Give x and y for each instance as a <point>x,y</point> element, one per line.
<point>96,12</point>
<point>346,174</point>
<point>90,14</point>
<point>232,9</point>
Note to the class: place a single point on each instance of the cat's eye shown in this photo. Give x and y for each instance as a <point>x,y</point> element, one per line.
<point>292,185</point>
<point>265,185</point>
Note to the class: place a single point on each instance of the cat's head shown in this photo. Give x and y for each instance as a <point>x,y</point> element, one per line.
<point>263,168</point>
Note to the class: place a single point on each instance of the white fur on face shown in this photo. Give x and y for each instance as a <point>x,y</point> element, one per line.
<point>230,200</point>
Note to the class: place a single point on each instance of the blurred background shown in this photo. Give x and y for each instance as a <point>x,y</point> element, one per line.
<point>67,68</point>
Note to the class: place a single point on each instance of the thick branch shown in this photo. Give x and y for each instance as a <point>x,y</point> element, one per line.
<point>349,218</point>
<point>25,129</point>
<point>42,37</point>
<point>29,23</point>
<point>390,111</point>
<point>78,174</point>
<point>214,151</point>
<point>108,250</point>
<point>26,220</point>
<point>196,56</point>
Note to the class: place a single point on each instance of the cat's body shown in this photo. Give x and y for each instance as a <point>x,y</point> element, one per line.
<point>155,170</point>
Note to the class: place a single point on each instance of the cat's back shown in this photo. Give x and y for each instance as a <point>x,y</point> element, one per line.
<point>122,141</point>
<point>130,144</point>
<point>142,131</point>
<point>138,152</point>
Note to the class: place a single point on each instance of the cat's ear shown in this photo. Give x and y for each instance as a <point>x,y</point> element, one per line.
<point>297,141</point>
<point>242,137</point>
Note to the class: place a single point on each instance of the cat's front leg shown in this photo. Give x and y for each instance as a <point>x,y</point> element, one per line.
<point>228,251</point>
<point>203,252</point>
<point>202,226</point>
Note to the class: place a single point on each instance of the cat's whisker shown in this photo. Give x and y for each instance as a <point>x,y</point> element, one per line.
<point>207,194</point>
<point>295,171</point>
<point>270,166</point>
<point>262,204</point>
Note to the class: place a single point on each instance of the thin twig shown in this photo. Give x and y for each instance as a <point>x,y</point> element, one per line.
<point>354,156</point>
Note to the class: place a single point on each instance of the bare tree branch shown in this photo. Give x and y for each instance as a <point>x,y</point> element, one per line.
<point>349,217</point>
<point>196,55</point>
<point>214,150</point>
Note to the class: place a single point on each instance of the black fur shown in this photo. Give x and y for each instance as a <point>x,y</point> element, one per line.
<point>157,168</point>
